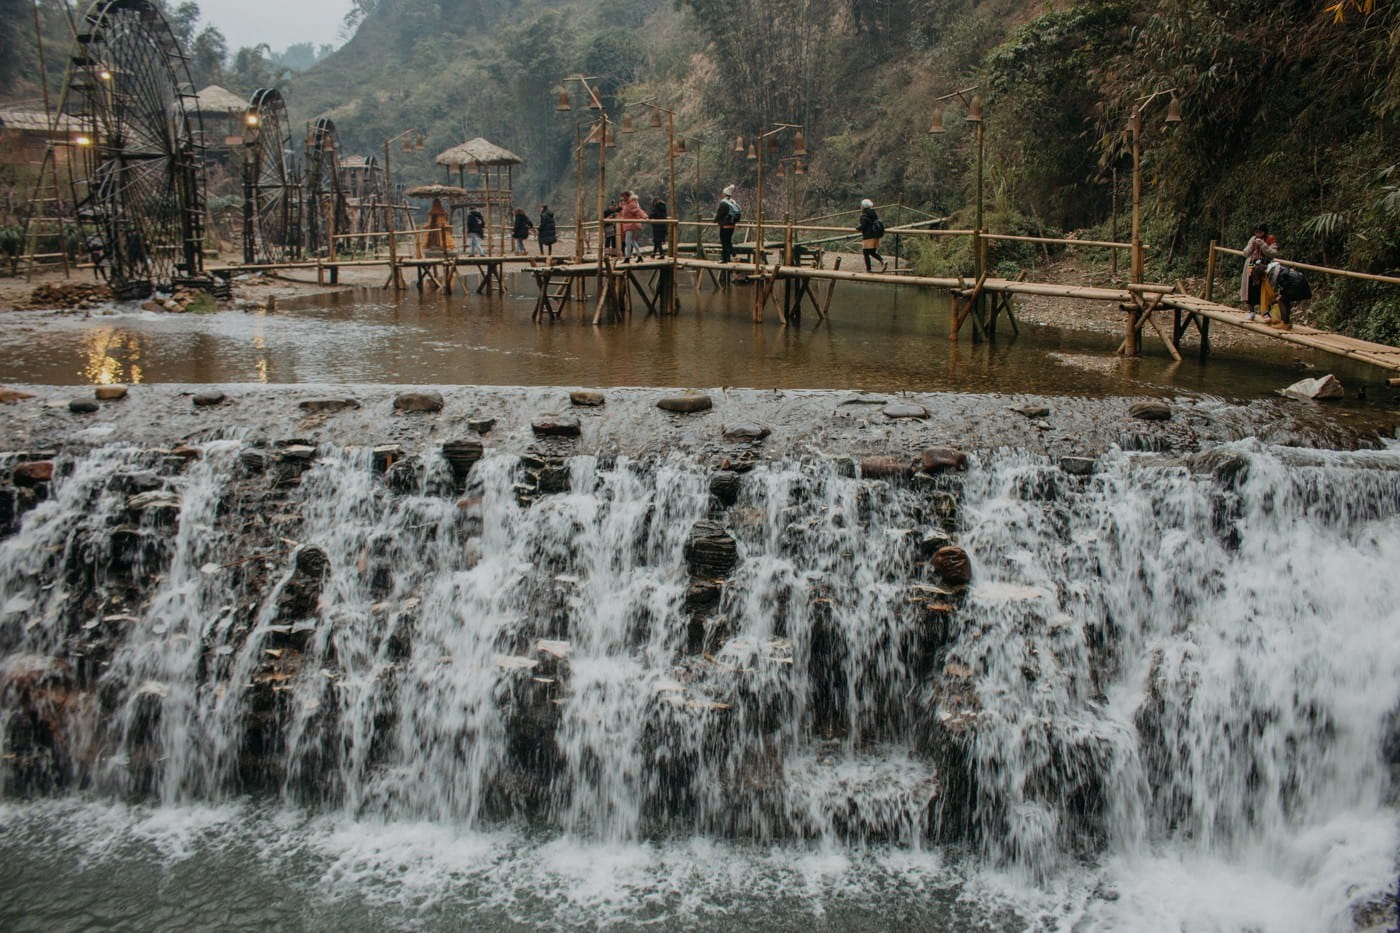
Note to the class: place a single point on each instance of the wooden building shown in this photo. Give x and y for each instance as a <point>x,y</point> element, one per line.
<point>485,170</point>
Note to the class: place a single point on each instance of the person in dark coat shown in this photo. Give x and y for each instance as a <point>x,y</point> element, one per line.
<point>1290,287</point>
<point>547,232</point>
<point>610,230</point>
<point>727,217</point>
<point>871,230</point>
<point>521,231</point>
<point>476,229</point>
<point>658,231</point>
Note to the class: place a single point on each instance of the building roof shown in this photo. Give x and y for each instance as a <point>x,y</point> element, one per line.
<point>359,162</point>
<point>35,121</point>
<point>481,151</point>
<point>215,99</point>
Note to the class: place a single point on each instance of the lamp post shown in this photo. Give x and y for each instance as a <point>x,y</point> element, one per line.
<point>973,104</point>
<point>1135,131</point>
<point>756,150</point>
<point>656,112</point>
<point>395,277</point>
<point>601,132</point>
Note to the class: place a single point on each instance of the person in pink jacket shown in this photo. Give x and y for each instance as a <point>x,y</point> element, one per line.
<point>632,241</point>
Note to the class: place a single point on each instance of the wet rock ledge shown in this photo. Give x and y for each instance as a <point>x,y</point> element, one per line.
<point>634,421</point>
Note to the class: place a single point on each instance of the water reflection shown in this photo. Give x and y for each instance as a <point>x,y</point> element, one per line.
<point>876,339</point>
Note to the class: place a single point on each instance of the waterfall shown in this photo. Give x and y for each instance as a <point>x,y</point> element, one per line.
<point>1199,654</point>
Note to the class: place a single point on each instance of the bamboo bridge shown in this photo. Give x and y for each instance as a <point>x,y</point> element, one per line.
<point>790,277</point>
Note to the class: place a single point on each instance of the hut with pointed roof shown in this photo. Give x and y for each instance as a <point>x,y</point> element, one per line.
<point>486,171</point>
<point>221,114</point>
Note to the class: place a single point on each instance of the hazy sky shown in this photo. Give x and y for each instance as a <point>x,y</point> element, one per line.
<point>279,23</point>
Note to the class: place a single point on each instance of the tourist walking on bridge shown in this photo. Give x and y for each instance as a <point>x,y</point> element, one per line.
<point>658,231</point>
<point>521,231</point>
<point>727,217</point>
<point>476,229</point>
<point>632,231</point>
<point>1257,252</point>
<point>871,228</point>
<point>547,232</point>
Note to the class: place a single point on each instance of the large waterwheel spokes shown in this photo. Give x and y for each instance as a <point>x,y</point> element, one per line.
<point>135,180</point>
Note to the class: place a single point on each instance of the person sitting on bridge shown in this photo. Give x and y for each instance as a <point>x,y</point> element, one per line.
<point>1291,287</point>
<point>727,217</point>
<point>871,228</point>
<point>1257,252</point>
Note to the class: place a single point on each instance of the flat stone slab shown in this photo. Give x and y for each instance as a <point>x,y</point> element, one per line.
<point>586,398</point>
<point>687,404</point>
<point>206,399</point>
<point>904,410</point>
<point>556,426</point>
<point>1032,411</point>
<point>83,406</point>
<point>1078,466</point>
<point>1150,411</point>
<point>481,425</point>
<point>14,395</point>
<point>418,401</point>
<point>745,431</point>
<point>109,393</point>
<point>937,459</point>
<point>328,404</point>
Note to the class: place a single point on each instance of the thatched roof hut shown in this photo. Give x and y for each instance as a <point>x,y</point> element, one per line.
<point>215,99</point>
<point>479,151</point>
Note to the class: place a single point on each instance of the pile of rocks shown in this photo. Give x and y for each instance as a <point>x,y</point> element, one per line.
<point>184,299</point>
<point>78,295</point>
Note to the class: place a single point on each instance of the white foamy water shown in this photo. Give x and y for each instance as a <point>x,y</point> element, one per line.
<point>1166,702</point>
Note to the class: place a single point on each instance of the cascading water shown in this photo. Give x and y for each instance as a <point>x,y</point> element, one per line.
<point>1161,667</point>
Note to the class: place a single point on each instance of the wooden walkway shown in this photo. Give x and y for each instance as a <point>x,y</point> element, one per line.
<point>981,302</point>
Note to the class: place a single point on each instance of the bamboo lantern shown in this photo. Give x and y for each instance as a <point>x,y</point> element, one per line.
<point>800,168</point>
<point>593,103</point>
<point>753,152</point>
<point>564,102</point>
<point>936,126</point>
<point>799,144</point>
<point>680,146</point>
<point>655,118</point>
<point>1173,111</point>
<point>627,123</point>
<point>974,109</point>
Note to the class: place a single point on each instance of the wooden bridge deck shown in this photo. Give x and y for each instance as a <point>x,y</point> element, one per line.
<point>1377,354</point>
<point>1140,300</point>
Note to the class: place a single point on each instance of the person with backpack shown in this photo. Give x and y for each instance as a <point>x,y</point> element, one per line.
<point>1257,252</point>
<point>476,229</point>
<point>520,231</point>
<point>1290,287</point>
<point>610,230</point>
<point>727,217</point>
<point>547,232</point>
<point>871,228</point>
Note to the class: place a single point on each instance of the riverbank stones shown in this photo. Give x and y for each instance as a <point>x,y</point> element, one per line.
<point>585,398</point>
<point>14,395</point>
<point>904,410</point>
<point>884,468</point>
<point>208,399</point>
<point>461,456</point>
<point>109,393</point>
<point>556,426</point>
<point>724,486</point>
<point>687,404</point>
<point>83,406</point>
<point>481,425</point>
<point>409,402</point>
<point>1152,410</point>
<point>1032,411</point>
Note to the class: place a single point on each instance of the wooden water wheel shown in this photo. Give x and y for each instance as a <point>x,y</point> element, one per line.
<point>134,165</point>
<point>326,212</point>
<point>271,187</point>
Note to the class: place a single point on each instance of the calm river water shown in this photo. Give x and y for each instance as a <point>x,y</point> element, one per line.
<point>875,339</point>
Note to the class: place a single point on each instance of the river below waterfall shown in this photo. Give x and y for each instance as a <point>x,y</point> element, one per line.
<point>649,679</point>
